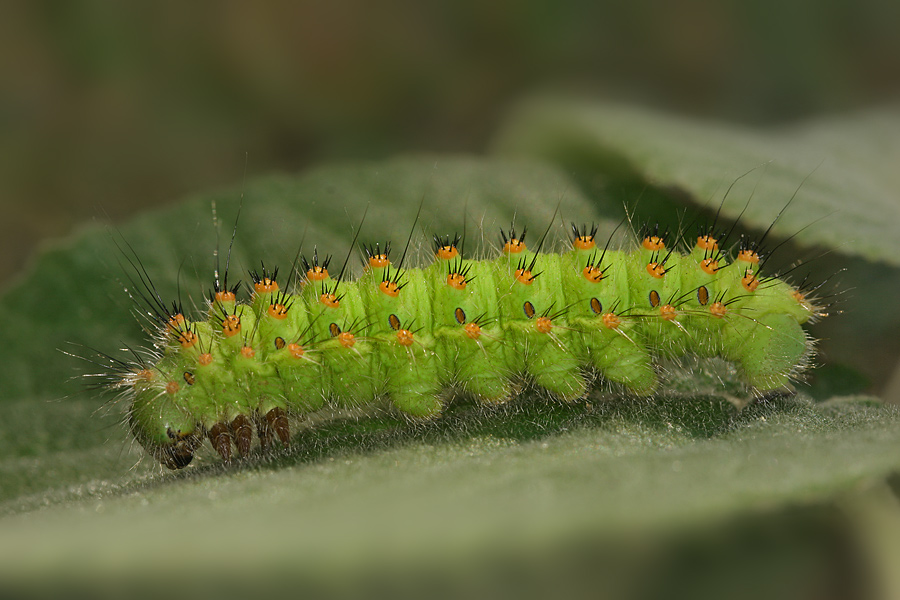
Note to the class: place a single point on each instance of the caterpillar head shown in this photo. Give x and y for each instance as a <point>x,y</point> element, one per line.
<point>163,430</point>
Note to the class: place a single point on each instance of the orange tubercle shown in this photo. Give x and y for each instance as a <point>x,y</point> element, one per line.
<point>524,276</point>
<point>447,252</point>
<point>182,334</point>
<point>265,285</point>
<point>389,288</point>
<point>296,350</point>
<point>329,300</point>
<point>749,281</point>
<point>248,352</point>
<point>513,246</point>
<point>543,324</point>
<point>611,321</point>
<point>205,359</point>
<point>346,339</point>
<point>668,312</point>
<point>473,330</point>
<point>456,281</point>
<point>317,274</point>
<point>801,299</point>
<point>379,261</point>
<point>657,270</point>
<point>145,375</point>
<point>707,243</point>
<point>172,387</point>
<point>592,274</point>
<point>231,325</point>
<point>405,337</point>
<point>187,338</point>
<point>717,309</point>
<point>278,311</point>
<point>750,256</point>
<point>224,296</point>
<point>709,265</point>
<point>653,242</point>
<point>584,242</point>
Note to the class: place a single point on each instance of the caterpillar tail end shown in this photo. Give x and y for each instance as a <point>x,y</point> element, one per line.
<point>775,354</point>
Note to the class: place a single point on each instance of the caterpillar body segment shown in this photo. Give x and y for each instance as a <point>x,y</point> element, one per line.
<point>599,296</point>
<point>468,329</point>
<point>408,333</point>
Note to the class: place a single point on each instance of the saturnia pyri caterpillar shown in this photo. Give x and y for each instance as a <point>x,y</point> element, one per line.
<point>313,338</point>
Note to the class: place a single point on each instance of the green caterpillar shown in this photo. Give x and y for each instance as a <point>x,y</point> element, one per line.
<point>407,334</point>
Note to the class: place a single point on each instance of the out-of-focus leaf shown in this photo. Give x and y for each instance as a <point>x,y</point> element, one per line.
<point>847,166</point>
<point>477,484</point>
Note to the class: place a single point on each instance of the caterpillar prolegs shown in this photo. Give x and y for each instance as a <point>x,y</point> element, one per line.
<point>406,334</point>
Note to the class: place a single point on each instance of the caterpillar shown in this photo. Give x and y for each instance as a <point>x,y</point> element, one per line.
<point>313,339</point>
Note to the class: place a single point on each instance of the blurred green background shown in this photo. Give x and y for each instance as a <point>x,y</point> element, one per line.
<point>111,107</point>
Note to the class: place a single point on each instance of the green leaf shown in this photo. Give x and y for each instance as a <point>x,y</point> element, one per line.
<point>530,479</point>
<point>476,490</point>
<point>847,166</point>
